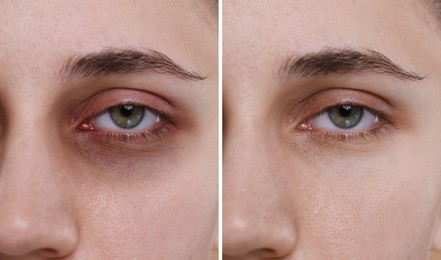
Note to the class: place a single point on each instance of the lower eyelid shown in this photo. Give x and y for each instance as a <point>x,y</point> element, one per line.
<point>337,139</point>
<point>361,137</point>
<point>115,138</point>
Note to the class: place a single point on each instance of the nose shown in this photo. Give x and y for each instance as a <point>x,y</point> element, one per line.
<point>36,219</point>
<point>256,219</point>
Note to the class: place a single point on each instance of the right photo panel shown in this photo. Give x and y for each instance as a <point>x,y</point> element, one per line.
<point>331,129</point>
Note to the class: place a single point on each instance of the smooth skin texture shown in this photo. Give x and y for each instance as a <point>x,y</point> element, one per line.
<point>90,193</point>
<point>296,191</point>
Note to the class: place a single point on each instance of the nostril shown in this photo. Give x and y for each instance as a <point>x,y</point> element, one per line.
<point>46,253</point>
<point>266,252</point>
<point>37,237</point>
<point>260,238</point>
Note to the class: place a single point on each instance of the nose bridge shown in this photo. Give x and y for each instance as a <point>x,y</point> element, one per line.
<point>244,144</point>
<point>28,144</point>
<point>250,137</point>
<point>34,212</point>
<point>248,166</point>
<point>247,132</point>
<point>254,218</point>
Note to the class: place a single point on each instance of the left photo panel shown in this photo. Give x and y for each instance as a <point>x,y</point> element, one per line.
<point>109,129</point>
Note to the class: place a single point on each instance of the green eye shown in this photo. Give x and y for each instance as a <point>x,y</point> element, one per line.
<point>345,116</point>
<point>127,116</point>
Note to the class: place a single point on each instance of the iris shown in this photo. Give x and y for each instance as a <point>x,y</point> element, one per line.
<point>345,116</point>
<point>127,116</point>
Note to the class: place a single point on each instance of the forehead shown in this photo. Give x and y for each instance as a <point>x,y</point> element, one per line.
<point>267,33</point>
<point>44,30</point>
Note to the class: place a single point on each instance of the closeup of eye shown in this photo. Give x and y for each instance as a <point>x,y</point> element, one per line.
<point>345,118</point>
<point>128,123</point>
<point>346,115</point>
<point>127,117</point>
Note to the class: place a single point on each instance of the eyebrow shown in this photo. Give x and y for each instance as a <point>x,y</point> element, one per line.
<point>125,61</point>
<point>343,61</point>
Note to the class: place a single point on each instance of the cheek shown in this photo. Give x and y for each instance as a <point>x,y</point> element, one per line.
<point>160,214</point>
<point>382,207</point>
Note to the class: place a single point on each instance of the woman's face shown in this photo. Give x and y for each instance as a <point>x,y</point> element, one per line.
<point>108,129</point>
<point>331,135</point>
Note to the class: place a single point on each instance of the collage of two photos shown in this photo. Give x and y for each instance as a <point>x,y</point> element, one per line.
<point>234,129</point>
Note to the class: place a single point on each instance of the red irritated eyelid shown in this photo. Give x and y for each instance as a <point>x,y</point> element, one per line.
<point>106,99</point>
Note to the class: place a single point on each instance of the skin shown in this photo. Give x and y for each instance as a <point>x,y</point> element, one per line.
<point>292,193</point>
<point>72,194</point>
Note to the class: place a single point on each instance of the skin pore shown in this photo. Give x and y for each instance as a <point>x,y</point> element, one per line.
<point>73,183</point>
<point>296,184</point>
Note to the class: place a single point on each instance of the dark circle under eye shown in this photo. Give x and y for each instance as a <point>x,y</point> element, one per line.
<point>345,116</point>
<point>127,116</point>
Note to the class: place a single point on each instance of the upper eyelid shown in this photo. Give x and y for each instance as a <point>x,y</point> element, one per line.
<point>328,98</point>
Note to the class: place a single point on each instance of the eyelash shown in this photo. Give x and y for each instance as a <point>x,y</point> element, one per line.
<point>165,125</point>
<point>356,137</point>
<point>364,136</point>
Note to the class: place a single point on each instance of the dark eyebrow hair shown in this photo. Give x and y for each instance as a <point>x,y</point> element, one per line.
<point>342,61</point>
<point>123,61</point>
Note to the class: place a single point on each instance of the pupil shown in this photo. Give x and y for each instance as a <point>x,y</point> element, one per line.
<point>345,111</point>
<point>126,111</point>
